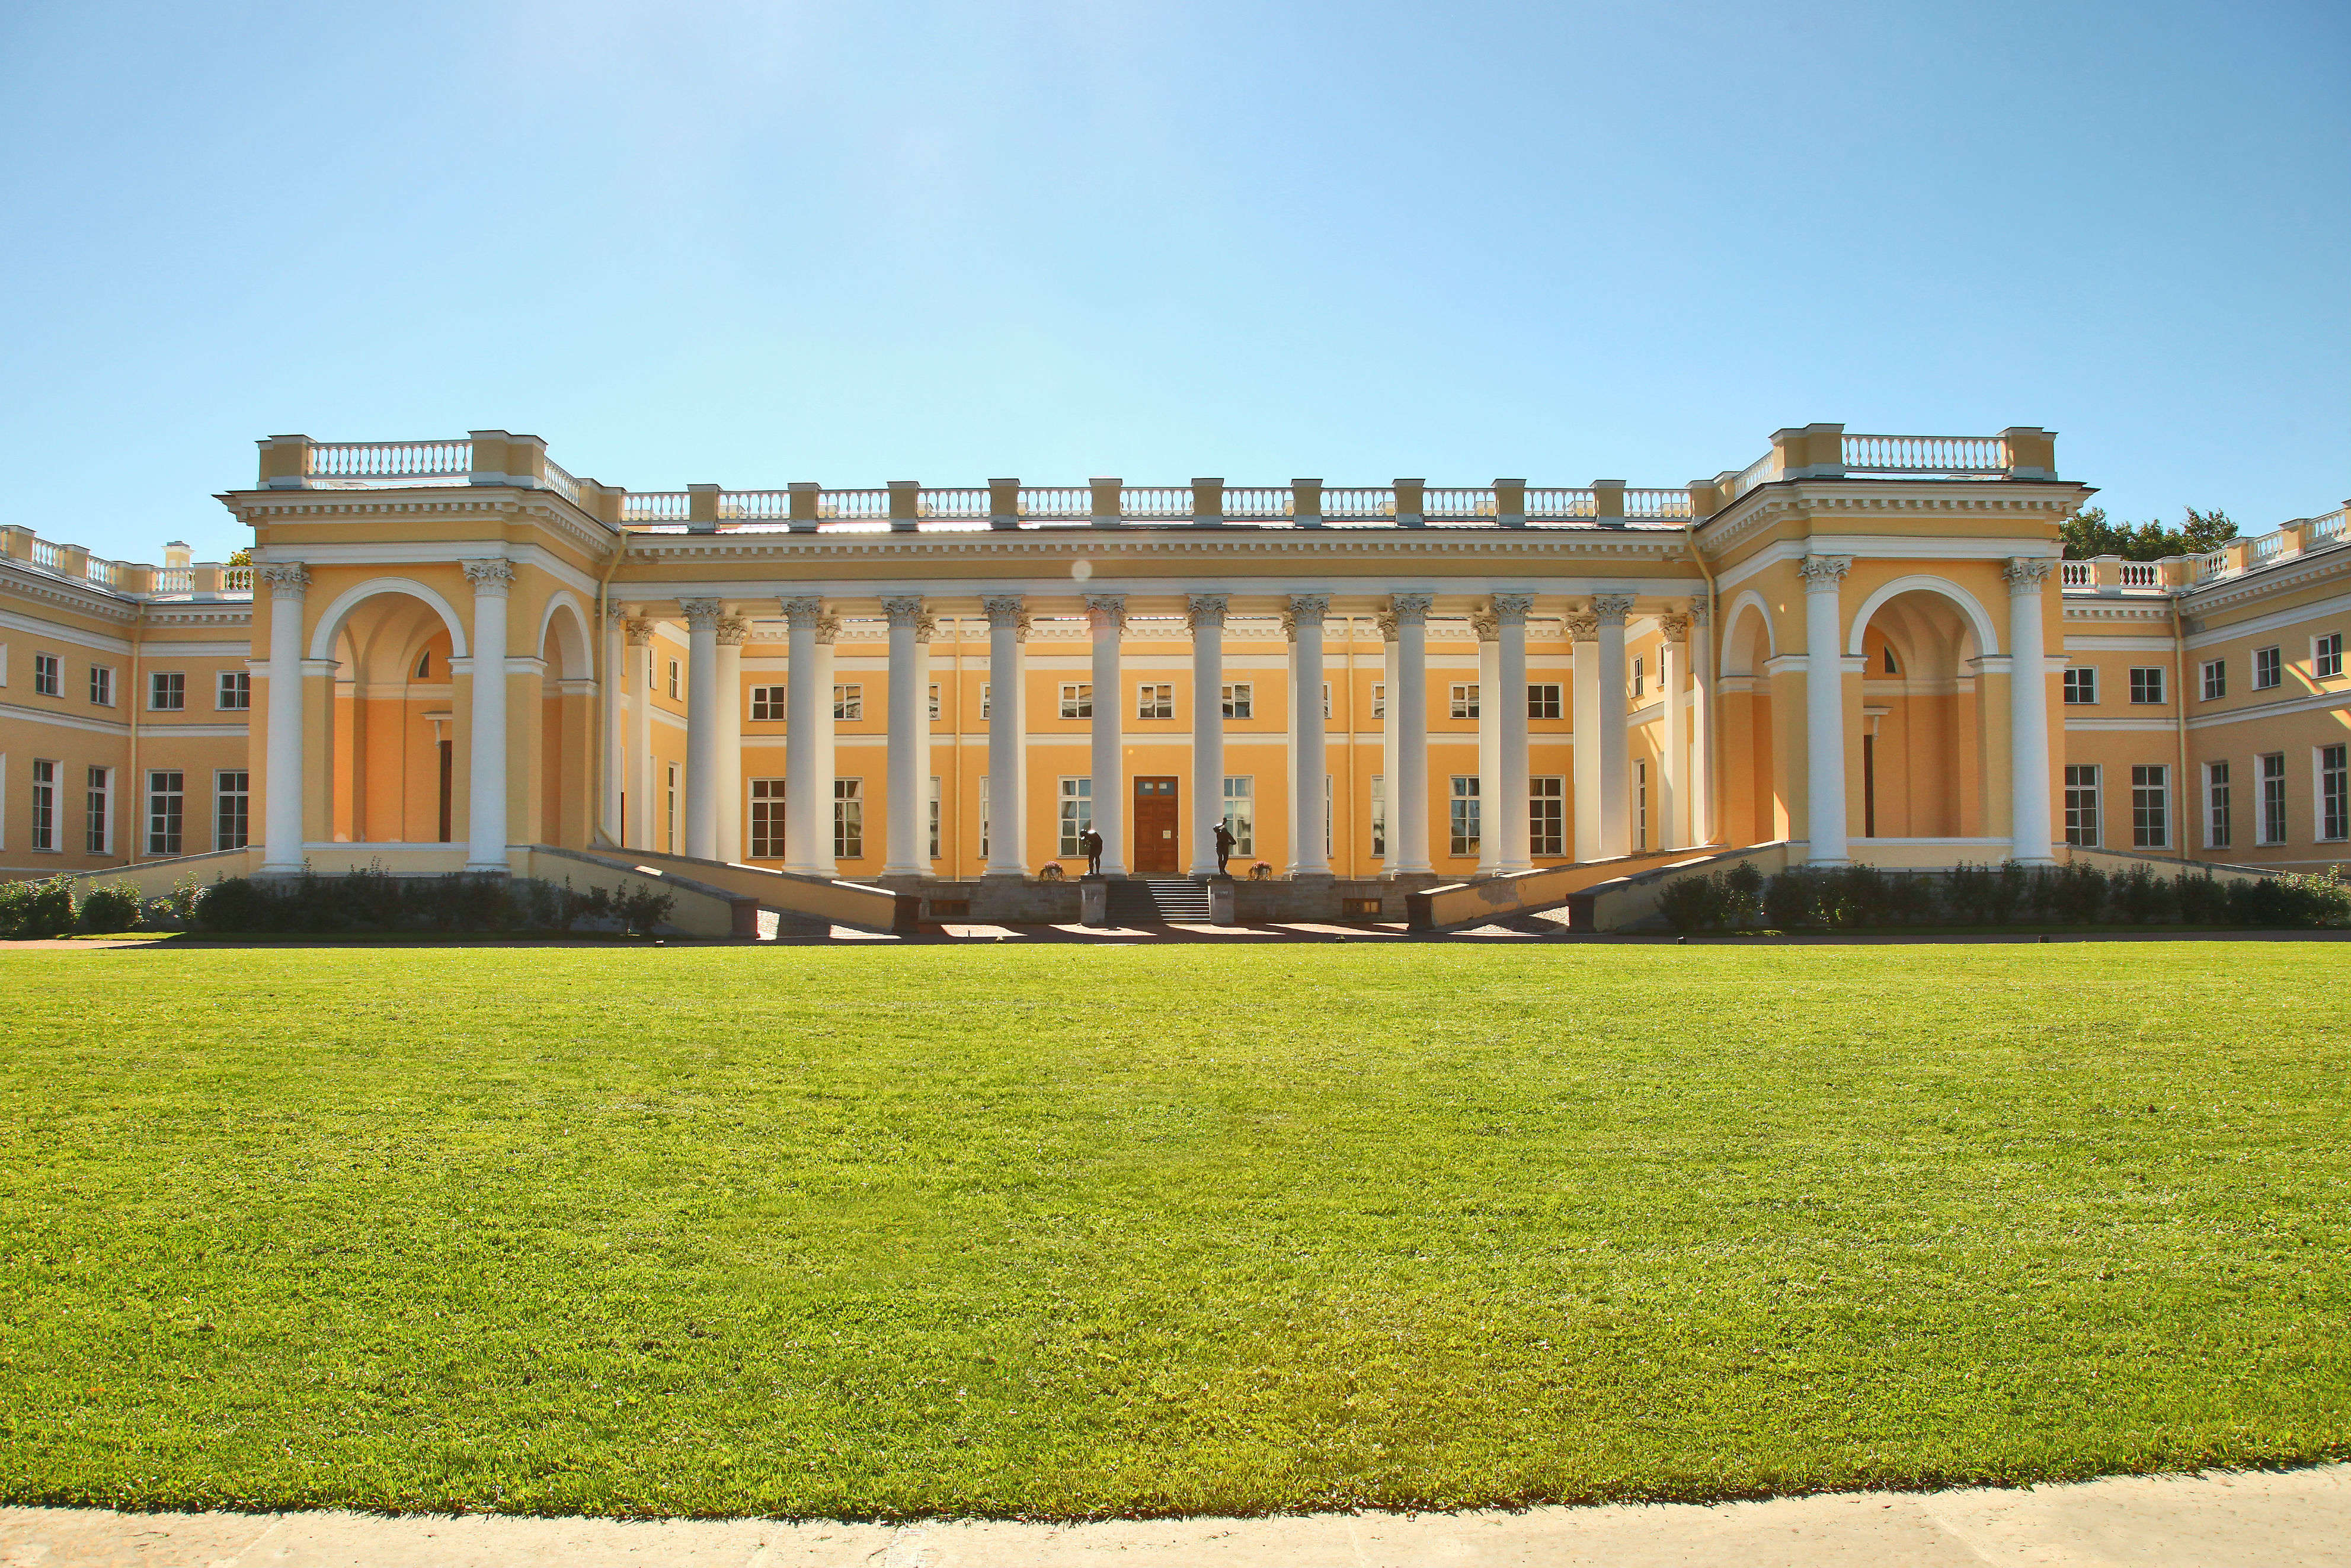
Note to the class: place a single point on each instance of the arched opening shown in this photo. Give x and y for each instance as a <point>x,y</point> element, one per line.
<point>1751,807</point>
<point>389,761</point>
<point>566,720</point>
<point>1921,755</point>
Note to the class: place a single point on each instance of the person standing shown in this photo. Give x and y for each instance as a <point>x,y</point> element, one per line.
<point>1224,846</point>
<point>1091,842</point>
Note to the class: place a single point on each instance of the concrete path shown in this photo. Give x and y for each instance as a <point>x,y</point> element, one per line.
<point>2295,1519</point>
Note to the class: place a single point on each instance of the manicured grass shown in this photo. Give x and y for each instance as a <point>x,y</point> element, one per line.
<point>1072,1231</point>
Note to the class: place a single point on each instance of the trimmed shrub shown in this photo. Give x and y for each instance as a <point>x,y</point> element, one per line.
<point>32,910</point>
<point>2201,900</point>
<point>2140,897</point>
<point>2073,894</point>
<point>1790,901</point>
<point>1743,891</point>
<point>115,907</point>
<point>373,900</point>
<point>1692,903</point>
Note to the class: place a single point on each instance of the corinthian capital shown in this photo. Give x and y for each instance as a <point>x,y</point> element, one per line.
<point>1611,608</point>
<point>1106,613</point>
<point>491,579</point>
<point>1822,574</point>
<point>1203,611</point>
<point>1006,609</point>
<point>733,630</point>
<point>1581,628</point>
<point>286,578</point>
<point>2025,575</point>
<point>1411,608</point>
<point>904,612</point>
<point>1676,627</point>
<point>802,612</point>
<point>1487,625</point>
<point>1512,609</point>
<point>702,614</point>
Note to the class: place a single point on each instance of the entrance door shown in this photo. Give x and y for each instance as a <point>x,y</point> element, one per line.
<point>1155,827</point>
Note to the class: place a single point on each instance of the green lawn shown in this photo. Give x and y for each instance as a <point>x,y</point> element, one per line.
<point>1082,1231</point>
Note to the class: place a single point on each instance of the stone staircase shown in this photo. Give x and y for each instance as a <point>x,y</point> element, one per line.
<point>1135,900</point>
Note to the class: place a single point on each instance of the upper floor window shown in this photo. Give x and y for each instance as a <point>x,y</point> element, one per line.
<point>1240,701</point>
<point>1154,701</point>
<point>1640,676</point>
<point>768,704</point>
<point>1465,701</point>
<point>1379,701</point>
<point>1543,700</point>
<point>848,702</point>
<point>1077,702</point>
<point>49,675</point>
<point>2146,683</point>
<point>2081,685</point>
<point>235,691</point>
<point>101,685</point>
<point>167,691</point>
<point>2326,657</point>
<point>2216,679</point>
<point>673,679</point>
<point>2268,669</point>
<point>935,718</point>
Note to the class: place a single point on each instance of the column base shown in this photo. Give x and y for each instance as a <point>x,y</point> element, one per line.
<point>487,868</point>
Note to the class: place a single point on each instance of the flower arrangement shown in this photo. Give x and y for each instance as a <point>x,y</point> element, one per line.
<point>1261,871</point>
<point>1050,872</point>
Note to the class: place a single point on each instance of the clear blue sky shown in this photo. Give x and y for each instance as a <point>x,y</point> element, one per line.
<point>760,242</point>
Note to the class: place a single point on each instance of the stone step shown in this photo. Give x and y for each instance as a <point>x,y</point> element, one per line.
<point>1141,898</point>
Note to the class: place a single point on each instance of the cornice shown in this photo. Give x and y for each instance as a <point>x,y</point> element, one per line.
<point>229,614</point>
<point>254,506</point>
<point>88,599</point>
<point>2262,580</point>
<point>1816,499</point>
<point>2118,610</point>
<point>1577,547</point>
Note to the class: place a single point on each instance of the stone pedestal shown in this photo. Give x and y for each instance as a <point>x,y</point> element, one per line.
<point>1220,901</point>
<point>1094,901</point>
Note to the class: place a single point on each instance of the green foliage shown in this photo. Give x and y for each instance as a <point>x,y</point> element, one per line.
<point>2088,533</point>
<point>1858,897</point>
<point>113,907</point>
<point>33,910</point>
<point>372,900</point>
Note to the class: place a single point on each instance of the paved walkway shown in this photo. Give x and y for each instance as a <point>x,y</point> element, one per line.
<point>2295,1519</point>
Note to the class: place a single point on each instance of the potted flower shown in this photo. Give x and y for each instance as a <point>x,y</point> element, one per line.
<point>1261,871</point>
<point>1050,872</point>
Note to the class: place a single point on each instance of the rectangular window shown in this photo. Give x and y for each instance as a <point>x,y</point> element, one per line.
<point>2334,792</point>
<point>848,702</point>
<point>669,804</point>
<point>673,679</point>
<point>2273,797</point>
<point>1464,701</point>
<point>987,700</point>
<point>2150,808</point>
<point>1077,702</point>
<point>1641,805</point>
<point>99,840</point>
<point>1240,814</point>
<point>2081,685</point>
<point>2326,657</point>
<point>934,703</point>
<point>849,819</point>
<point>1077,814</point>
<point>44,804</point>
<point>167,691</point>
<point>768,704</point>
<point>49,675</point>
<point>1463,817</point>
<point>2146,683</point>
<point>2082,805</point>
<point>934,811</point>
<point>2216,806</point>
<point>1640,679</point>
<point>1547,816</point>
<point>2216,679</point>
<point>232,809</point>
<point>1154,702</point>
<point>1542,701</point>
<point>2268,669</point>
<point>235,691</point>
<point>1379,816</point>
<point>101,685</point>
<point>1326,707</point>
<point>1237,701</point>
<point>983,816</point>
<point>167,802</point>
<point>1379,699</point>
<point>766,819</point>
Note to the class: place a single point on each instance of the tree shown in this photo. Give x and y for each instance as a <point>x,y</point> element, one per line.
<point>2088,533</point>
<point>242,558</point>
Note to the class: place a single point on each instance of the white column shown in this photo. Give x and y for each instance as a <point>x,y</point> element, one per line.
<point>1206,618</point>
<point>1824,708</point>
<point>1584,633</point>
<point>1408,700</point>
<point>281,823</point>
<point>1673,744</point>
<point>1008,800</point>
<point>608,693</point>
<point>1702,758</point>
<point>808,726</point>
<point>702,726</point>
<point>640,632</point>
<point>1106,615</point>
<point>909,833</point>
<point>1615,722</point>
<point>2028,715</point>
<point>1310,763</point>
<point>728,802</point>
<point>486,787</point>
<point>1511,822</point>
<point>1489,741</point>
<point>1389,708</point>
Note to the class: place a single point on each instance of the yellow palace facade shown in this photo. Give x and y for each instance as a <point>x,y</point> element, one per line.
<point>1858,647</point>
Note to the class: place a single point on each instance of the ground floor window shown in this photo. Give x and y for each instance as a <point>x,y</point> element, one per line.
<point>669,804</point>
<point>99,840</point>
<point>1546,817</point>
<point>232,809</point>
<point>1464,816</point>
<point>934,811</point>
<point>44,804</point>
<point>1379,814</point>
<point>1077,814</point>
<point>2334,792</point>
<point>2216,805</point>
<point>167,803</point>
<point>1240,814</point>
<point>2150,808</point>
<point>2273,797</point>
<point>766,819</point>
<point>1640,805</point>
<point>2082,805</point>
<point>983,816</point>
<point>849,819</point>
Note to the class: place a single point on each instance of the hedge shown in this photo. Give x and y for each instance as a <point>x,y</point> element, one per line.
<point>1861,898</point>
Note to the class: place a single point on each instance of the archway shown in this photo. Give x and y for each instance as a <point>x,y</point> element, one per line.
<point>1750,804</point>
<point>388,761</point>
<point>1922,724</point>
<point>566,725</point>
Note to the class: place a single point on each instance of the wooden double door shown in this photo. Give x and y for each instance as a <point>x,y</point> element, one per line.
<point>1157,849</point>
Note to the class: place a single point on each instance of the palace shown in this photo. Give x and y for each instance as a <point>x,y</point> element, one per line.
<point>454,655</point>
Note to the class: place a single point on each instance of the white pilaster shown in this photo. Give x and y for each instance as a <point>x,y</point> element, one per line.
<point>1615,727</point>
<point>1489,741</point>
<point>1106,616</point>
<point>1673,746</point>
<point>1408,700</point>
<point>1824,708</point>
<point>1389,708</point>
<point>639,633</point>
<point>807,730</point>
<point>1207,617</point>
<point>732,630</point>
<point>486,794</point>
<point>608,694</point>
<point>1008,798</point>
<point>1309,751</point>
<point>281,846</point>
<point>1701,755</point>
<point>2028,714</point>
<point>702,726</point>
<point>909,833</point>
<point>1583,634</point>
<point>1511,820</point>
